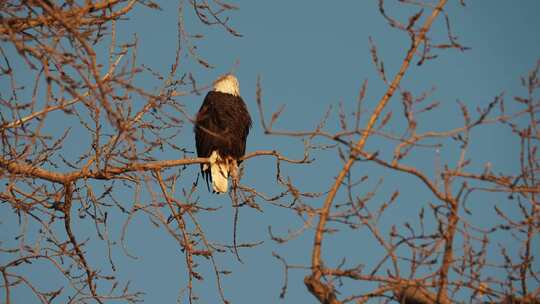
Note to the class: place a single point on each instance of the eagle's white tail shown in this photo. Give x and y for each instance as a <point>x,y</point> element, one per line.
<point>220,169</point>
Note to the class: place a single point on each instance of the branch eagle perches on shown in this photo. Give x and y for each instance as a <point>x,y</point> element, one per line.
<point>23,169</point>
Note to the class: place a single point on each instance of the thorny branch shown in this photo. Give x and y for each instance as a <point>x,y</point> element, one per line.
<point>313,281</point>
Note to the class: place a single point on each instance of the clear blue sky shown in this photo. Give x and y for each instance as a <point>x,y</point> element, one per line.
<point>312,54</point>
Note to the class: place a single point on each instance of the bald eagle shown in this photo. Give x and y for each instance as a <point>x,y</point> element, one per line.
<point>221,129</point>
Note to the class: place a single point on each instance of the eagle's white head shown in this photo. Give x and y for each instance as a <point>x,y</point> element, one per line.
<point>227,84</point>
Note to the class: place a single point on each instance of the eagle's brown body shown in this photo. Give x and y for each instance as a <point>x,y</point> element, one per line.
<point>222,126</point>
